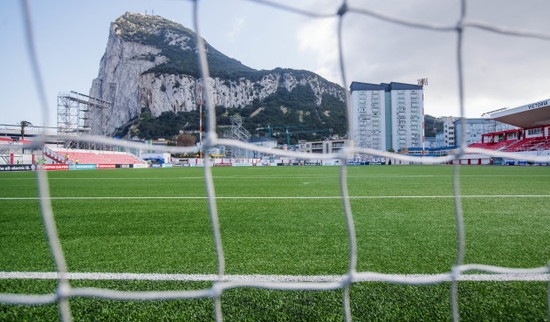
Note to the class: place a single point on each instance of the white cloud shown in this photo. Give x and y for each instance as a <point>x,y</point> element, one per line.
<point>499,70</point>
<point>236,29</point>
<point>319,37</point>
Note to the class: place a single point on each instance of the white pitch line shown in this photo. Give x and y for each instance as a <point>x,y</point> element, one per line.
<point>373,176</point>
<point>362,277</point>
<point>272,197</point>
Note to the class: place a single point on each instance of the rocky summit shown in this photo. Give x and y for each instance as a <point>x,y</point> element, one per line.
<point>150,66</point>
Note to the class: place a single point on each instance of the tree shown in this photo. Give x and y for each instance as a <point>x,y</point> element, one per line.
<point>185,140</point>
<point>23,125</point>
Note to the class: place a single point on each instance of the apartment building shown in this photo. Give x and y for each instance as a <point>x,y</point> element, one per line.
<point>387,115</point>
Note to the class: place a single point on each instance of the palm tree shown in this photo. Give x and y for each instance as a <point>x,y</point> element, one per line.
<point>23,125</point>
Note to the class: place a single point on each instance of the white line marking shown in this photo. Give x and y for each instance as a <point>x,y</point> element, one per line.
<point>273,197</point>
<point>361,277</point>
<point>373,176</point>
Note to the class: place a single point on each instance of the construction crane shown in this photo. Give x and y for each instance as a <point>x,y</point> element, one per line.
<point>269,128</point>
<point>298,132</point>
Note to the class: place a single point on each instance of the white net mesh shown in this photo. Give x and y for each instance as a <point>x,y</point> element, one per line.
<point>222,281</point>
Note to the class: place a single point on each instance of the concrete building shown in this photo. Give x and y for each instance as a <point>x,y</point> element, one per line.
<point>329,146</point>
<point>448,131</point>
<point>439,139</point>
<point>430,143</point>
<point>446,137</point>
<point>387,115</point>
<point>476,127</point>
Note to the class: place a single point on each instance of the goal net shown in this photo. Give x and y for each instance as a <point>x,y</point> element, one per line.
<point>222,282</point>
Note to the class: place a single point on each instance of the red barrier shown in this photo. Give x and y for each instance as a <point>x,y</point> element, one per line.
<point>106,166</point>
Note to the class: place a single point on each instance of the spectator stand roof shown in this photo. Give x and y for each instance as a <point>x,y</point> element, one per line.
<point>527,116</point>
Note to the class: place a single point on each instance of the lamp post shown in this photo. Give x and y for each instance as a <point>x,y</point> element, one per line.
<point>423,82</point>
<point>200,121</point>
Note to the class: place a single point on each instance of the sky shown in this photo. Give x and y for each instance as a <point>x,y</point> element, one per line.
<point>499,71</point>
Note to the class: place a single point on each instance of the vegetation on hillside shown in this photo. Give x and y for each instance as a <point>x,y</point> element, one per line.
<point>281,109</point>
<point>432,125</point>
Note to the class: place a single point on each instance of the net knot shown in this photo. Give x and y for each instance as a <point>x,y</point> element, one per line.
<point>455,272</point>
<point>210,140</point>
<point>63,291</point>
<point>343,9</point>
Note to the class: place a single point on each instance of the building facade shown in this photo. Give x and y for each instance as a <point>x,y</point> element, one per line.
<point>387,116</point>
<point>328,146</point>
<point>368,102</point>
<point>476,127</point>
<point>446,137</point>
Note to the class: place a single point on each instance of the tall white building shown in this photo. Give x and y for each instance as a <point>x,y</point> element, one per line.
<point>387,115</point>
<point>447,136</point>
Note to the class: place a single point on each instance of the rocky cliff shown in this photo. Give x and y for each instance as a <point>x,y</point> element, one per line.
<point>150,64</point>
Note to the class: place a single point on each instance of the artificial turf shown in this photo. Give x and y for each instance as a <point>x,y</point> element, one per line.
<point>403,217</point>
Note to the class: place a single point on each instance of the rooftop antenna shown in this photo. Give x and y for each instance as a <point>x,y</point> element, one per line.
<point>422,81</point>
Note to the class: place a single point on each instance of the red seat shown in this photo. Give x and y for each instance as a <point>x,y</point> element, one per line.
<point>100,157</point>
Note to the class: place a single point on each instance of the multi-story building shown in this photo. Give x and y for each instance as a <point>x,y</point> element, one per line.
<point>430,143</point>
<point>368,103</point>
<point>476,127</point>
<point>328,146</point>
<point>439,139</point>
<point>387,115</point>
<point>446,137</point>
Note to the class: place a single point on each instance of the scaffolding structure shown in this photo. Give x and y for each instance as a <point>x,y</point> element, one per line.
<point>82,114</point>
<point>237,132</point>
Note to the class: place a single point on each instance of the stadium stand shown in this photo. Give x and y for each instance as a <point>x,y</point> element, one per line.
<point>530,144</point>
<point>99,157</point>
<point>493,145</point>
<point>533,135</point>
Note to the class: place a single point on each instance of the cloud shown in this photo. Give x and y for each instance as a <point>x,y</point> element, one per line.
<point>320,38</point>
<point>236,29</point>
<point>499,70</point>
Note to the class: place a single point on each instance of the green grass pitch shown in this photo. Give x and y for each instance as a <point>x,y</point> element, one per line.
<point>407,228</point>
